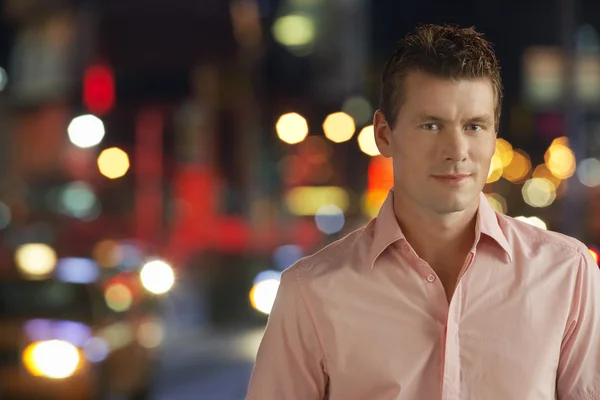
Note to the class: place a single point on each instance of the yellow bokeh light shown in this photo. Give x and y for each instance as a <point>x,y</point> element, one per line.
<point>496,169</point>
<point>497,202</point>
<point>366,141</point>
<point>518,168</point>
<point>504,151</point>
<point>339,127</point>
<point>541,171</point>
<point>113,163</point>
<point>55,359</point>
<point>295,30</point>
<point>539,192</point>
<point>594,254</point>
<point>307,200</point>
<point>118,297</point>
<point>373,200</point>
<point>560,160</point>
<point>35,259</point>
<point>292,128</point>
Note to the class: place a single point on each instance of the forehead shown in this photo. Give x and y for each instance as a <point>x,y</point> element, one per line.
<point>428,94</point>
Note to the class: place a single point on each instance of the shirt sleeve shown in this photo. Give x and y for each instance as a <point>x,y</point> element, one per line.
<point>290,363</point>
<point>579,366</point>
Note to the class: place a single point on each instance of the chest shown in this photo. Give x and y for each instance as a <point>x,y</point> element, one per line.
<point>394,339</point>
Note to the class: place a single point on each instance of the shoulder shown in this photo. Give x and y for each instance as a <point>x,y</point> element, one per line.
<point>333,256</point>
<point>533,240</point>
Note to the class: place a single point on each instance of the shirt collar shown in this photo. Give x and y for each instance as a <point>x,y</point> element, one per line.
<point>387,230</point>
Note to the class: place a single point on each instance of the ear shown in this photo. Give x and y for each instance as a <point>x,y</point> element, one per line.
<point>383,134</point>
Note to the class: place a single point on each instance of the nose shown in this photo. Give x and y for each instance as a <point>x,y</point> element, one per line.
<point>454,145</point>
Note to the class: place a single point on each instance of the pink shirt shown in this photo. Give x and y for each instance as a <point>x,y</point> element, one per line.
<point>366,319</point>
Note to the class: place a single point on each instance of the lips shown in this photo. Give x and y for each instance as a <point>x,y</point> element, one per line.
<point>452,179</point>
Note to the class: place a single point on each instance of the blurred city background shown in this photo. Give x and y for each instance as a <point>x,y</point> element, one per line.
<point>161,162</point>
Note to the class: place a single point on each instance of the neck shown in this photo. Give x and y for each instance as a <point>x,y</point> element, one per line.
<point>436,236</point>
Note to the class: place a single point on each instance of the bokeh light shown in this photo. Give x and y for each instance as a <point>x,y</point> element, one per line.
<point>595,255</point>
<point>518,168</point>
<point>77,270</point>
<point>3,79</point>
<point>504,151</point>
<point>107,253</point>
<point>560,159</point>
<point>113,163</point>
<point>372,201</point>
<point>358,108</point>
<point>286,255</point>
<point>330,219</point>
<point>366,141</point>
<point>157,277</point>
<point>78,200</point>
<point>96,349</point>
<point>55,359</point>
<point>496,169</point>
<point>35,259</point>
<point>263,294</point>
<point>539,192</point>
<point>118,297</point>
<point>588,172</point>
<point>150,333</point>
<point>86,131</point>
<point>292,128</point>
<point>296,32</point>
<point>5,216</point>
<point>339,127</point>
<point>534,221</point>
<point>307,200</point>
<point>498,202</point>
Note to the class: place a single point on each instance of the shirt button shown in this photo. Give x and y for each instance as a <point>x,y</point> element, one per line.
<point>431,278</point>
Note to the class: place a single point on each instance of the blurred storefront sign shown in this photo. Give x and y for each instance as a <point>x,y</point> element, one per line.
<point>41,59</point>
<point>544,77</point>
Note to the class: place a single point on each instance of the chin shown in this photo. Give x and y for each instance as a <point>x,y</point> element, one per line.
<point>453,203</point>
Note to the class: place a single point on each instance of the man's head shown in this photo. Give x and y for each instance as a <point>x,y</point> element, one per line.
<point>440,107</point>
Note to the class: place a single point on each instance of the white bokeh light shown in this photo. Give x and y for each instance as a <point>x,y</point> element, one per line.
<point>86,131</point>
<point>157,277</point>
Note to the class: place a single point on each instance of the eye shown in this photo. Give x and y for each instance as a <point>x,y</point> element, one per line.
<point>430,127</point>
<point>474,127</point>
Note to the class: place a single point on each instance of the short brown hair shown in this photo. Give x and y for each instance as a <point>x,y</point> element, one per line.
<point>442,50</point>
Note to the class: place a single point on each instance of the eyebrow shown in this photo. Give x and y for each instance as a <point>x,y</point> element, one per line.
<point>483,118</point>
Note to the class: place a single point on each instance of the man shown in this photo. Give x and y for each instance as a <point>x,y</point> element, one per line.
<point>439,297</point>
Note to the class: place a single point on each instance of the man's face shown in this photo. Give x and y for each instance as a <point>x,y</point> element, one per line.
<point>442,142</point>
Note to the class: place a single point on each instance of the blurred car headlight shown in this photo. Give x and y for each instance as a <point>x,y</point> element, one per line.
<point>54,359</point>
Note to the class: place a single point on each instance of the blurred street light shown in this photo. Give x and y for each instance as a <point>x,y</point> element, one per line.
<point>595,254</point>
<point>296,32</point>
<point>263,294</point>
<point>292,128</point>
<point>35,259</point>
<point>86,131</point>
<point>588,172</point>
<point>498,202</point>
<point>539,192</point>
<point>518,168</point>
<point>3,78</point>
<point>98,89</point>
<point>366,141</point>
<point>358,108</point>
<point>157,277</point>
<point>496,169</point>
<point>55,359</point>
<point>118,297</point>
<point>113,163</point>
<point>534,221</point>
<point>560,159</point>
<point>339,127</point>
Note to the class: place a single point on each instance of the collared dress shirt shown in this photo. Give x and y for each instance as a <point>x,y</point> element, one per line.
<point>367,319</point>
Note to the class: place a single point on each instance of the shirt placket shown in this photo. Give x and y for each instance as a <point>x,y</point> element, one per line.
<point>451,382</point>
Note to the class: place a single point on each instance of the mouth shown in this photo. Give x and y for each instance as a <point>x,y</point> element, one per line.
<point>452,179</point>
